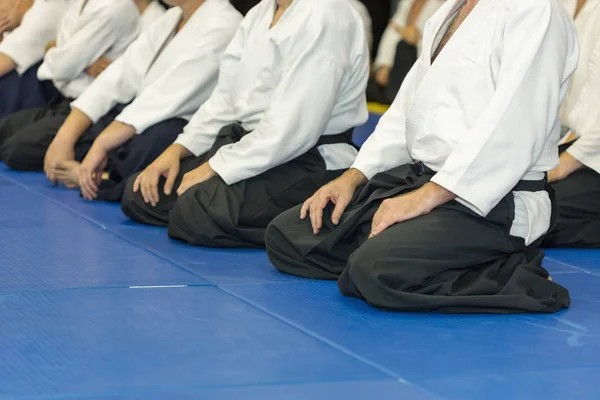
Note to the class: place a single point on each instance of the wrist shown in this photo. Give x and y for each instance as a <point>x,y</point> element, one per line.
<point>66,138</point>
<point>181,151</point>
<point>355,177</point>
<point>433,195</point>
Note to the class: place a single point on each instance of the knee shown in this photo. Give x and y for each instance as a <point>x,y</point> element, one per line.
<point>363,276</point>
<point>14,154</point>
<point>274,239</point>
<point>286,243</point>
<point>131,200</point>
<point>188,220</point>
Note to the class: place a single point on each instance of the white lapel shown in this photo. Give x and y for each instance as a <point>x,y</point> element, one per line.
<point>433,76</point>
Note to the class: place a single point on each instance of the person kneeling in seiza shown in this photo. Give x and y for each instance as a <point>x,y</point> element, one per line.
<point>446,204</point>
<point>99,30</point>
<point>277,127</point>
<point>136,108</point>
<point>576,180</point>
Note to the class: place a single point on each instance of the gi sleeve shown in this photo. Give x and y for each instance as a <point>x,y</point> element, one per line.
<point>297,116</point>
<point>68,60</point>
<point>199,135</point>
<point>182,88</point>
<point>118,83</point>
<point>26,44</point>
<point>509,137</point>
<point>587,148</point>
<point>386,147</point>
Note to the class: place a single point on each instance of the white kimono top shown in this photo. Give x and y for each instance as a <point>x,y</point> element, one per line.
<point>167,75</point>
<point>484,115</point>
<point>291,84</point>
<point>386,53</point>
<point>581,109</point>
<point>27,43</point>
<point>102,28</point>
<point>152,13</point>
<point>363,11</point>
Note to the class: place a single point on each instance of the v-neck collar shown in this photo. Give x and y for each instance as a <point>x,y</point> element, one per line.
<point>480,10</point>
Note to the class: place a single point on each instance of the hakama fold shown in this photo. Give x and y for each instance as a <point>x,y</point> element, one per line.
<point>450,260</point>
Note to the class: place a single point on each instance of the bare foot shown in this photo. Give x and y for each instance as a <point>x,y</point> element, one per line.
<point>550,278</point>
<point>67,173</point>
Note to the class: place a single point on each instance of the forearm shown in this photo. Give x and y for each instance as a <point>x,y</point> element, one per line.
<point>115,135</point>
<point>74,126</point>
<point>182,151</point>
<point>7,65</point>
<point>568,164</point>
<point>433,195</point>
<point>355,178</point>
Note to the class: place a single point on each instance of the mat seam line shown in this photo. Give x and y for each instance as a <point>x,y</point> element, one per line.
<point>297,327</point>
<point>331,344</point>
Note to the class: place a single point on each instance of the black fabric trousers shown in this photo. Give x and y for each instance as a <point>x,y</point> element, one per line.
<point>29,133</point>
<point>26,135</point>
<point>133,156</point>
<point>214,214</point>
<point>451,259</point>
<point>21,92</point>
<point>578,198</point>
<point>406,56</point>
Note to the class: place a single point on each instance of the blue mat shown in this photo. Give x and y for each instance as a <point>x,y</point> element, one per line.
<point>95,306</point>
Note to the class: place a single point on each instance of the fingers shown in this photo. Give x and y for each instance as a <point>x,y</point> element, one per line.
<point>170,182</point>
<point>145,185</point>
<point>50,173</point>
<point>340,205</point>
<point>138,180</point>
<point>383,218</point>
<point>185,184</point>
<point>379,223</point>
<point>316,212</point>
<point>89,187</point>
<point>305,208</point>
<point>150,187</point>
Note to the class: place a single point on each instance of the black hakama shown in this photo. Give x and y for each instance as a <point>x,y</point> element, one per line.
<point>215,214</point>
<point>29,133</point>
<point>451,260</point>
<point>578,198</point>
<point>26,135</point>
<point>133,156</point>
<point>21,92</point>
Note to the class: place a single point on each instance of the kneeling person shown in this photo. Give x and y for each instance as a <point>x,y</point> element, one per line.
<point>446,204</point>
<point>163,77</point>
<point>277,127</point>
<point>576,180</point>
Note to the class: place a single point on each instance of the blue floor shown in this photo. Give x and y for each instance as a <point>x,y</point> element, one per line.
<point>94,306</point>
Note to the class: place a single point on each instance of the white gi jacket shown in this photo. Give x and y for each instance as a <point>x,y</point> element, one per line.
<point>484,115</point>
<point>581,108</point>
<point>166,75</point>
<point>291,84</point>
<point>27,43</point>
<point>103,28</point>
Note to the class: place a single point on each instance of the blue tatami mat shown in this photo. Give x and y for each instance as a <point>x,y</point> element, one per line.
<point>94,306</point>
<point>81,342</point>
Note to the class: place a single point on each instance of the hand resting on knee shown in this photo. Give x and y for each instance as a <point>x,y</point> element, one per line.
<point>167,165</point>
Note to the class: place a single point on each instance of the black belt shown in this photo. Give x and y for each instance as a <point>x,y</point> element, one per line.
<point>522,186</point>
<point>345,137</point>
